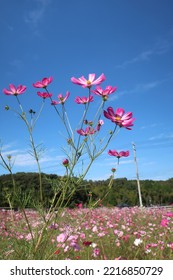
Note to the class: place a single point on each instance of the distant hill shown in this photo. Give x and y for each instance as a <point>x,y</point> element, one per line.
<point>123,191</point>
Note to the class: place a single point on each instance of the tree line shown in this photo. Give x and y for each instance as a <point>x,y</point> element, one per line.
<point>122,193</point>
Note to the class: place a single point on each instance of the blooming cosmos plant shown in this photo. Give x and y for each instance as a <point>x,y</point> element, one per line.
<point>88,83</point>
<point>91,144</point>
<point>94,146</point>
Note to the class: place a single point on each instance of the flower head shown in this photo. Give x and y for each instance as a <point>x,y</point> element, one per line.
<point>96,252</point>
<point>61,237</point>
<point>83,100</point>
<point>87,243</point>
<point>164,222</point>
<point>137,241</point>
<point>79,205</point>
<point>104,92</point>
<point>44,95</point>
<point>118,117</point>
<point>118,155</point>
<point>86,132</point>
<point>14,90</point>
<point>88,83</point>
<point>113,170</point>
<point>44,83</point>
<point>61,98</point>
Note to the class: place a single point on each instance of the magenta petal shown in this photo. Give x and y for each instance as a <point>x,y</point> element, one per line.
<point>12,88</point>
<point>7,92</point>
<point>111,111</point>
<point>127,116</point>
<point>113,153</point>
<point>91,77</point>
<point>119,112</point>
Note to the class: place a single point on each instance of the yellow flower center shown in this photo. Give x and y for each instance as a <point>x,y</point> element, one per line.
<point>117,118</point>
<point>88,82</point>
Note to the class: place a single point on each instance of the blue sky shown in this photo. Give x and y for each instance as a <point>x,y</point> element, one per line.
<point>131,42</point>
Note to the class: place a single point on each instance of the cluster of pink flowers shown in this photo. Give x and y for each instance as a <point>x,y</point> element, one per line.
<point>118,117</point>
<point>103,233</point>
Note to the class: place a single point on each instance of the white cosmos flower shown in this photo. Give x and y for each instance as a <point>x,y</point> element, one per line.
<point>137,241</point>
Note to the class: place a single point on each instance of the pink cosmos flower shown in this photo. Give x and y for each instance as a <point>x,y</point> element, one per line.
<point>170,245</point>
<point>79,205</point>
<point>90,82</point>
<point>104,92</point>
<point>118,155</point>
<point>44,83</point>
<point>87,131</point>
<point>14,90</point>
<point>44,95</point>
<point>61,237</point>
<point>28,237</point>
<point>61,99</point>
<point>96,252</point>
<point>169,214</point>
<point>164,223</point>
<point>83,100</point>
<point>118,117</point>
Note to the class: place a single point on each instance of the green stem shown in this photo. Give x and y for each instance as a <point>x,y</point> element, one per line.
<point>30,129</point>
<point>8,167</point>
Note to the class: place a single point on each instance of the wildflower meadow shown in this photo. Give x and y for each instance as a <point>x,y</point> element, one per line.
<point>53,230</point>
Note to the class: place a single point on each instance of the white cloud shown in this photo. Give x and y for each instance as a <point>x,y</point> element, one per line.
<point>143,56</point>
<point>17,63</point>
<point>36,15</point>
<point>161,46</point>
<point>161,136</point>
<point>139,88</point>
<point>21,158</point>
<point>151,125</point>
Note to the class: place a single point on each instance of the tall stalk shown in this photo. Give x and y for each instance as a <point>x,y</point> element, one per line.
<point>33,146</point>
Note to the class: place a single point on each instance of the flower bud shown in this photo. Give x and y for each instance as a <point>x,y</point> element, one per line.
<point>90,123</point>
<point>113,170</point>
<point>69,140</point>
<point>65,162</point>
<point>105,97</point>
<point>9,157</point>
<point>7,107</point>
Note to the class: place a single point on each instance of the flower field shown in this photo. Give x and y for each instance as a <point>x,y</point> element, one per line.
<point>88,234</point>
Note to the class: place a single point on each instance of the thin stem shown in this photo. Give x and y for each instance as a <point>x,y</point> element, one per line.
<point>39,113</point>
<point>23,117</point>
<point>9,168</point>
